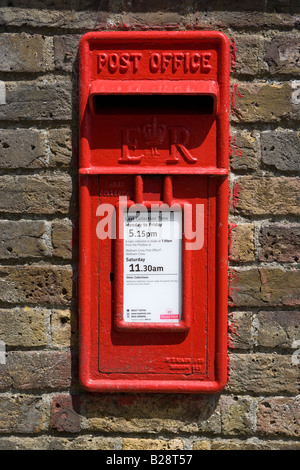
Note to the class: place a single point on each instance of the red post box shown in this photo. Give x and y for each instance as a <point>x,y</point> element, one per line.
<point>154,140</point>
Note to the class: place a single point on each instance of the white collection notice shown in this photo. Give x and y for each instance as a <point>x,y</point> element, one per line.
<point>152,266</point>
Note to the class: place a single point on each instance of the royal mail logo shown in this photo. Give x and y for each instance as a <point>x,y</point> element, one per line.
<point>151,136</point>
<point>154,135</point>
<point>169,315</point>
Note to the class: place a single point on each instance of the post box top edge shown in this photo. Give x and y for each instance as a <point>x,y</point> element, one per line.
<point>185,36</point>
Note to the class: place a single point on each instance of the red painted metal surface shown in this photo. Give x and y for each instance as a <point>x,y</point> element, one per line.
<point>154,129</point>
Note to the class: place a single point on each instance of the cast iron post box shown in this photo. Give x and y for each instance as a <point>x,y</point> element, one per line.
<point>154,140</point>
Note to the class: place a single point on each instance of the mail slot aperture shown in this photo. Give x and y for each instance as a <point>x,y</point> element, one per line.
<point>160,97</point>
<point>154,148</point>
<point>157,104</point>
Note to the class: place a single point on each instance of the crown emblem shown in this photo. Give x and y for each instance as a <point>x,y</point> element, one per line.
<point>154,134</point>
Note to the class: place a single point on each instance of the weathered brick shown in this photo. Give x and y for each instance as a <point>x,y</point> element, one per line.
<point>65,413</point>
<point>279,416</point>
<point>47,442</point>
<point>280,149</point>
<point>249,14</point>
<point>156,6</point>
<point>151,414</point>
<point>203,444</point>
<point>249,54</point>
<point>22,414</point>
<point>36,284</point>
<point>25,53</point>
<point>62,232</point>
<point>89,15</point>
<point>84,442</point>
<point>264,286</point>
<point>65,51</point>
<point>227,17</point>
<point>240,326</point>
<point>244,150</point>
<point>22,148</point>
<point>23,327</point>
<point>282,54</point>
<point>35,194</point>
<point>284,6</point>
<point>63,328</point>
<point>238,415</point>
<point>279,242</point>
<point>152,444</point>
<point>23,443</point>
<point>38,100</point>
<point>82,16</point>
<point>33,148</point>
<point>242,248</point>
<point>265,102</point>
<point>23,238</point>
<point>254,444</point>
<point>167,19</point>
<point>60,147</point>
<point>278,329</point>
<point>259,373</point>
<point>36,370</point>
<point>267,195</point>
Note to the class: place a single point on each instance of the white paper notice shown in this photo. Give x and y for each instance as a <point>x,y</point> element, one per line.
<point>152,266</point>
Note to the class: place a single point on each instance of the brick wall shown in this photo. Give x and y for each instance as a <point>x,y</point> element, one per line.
<point>41,403</point>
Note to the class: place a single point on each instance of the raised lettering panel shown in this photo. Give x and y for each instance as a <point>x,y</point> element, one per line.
<point>155,140</point>
<point>186,64</point>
